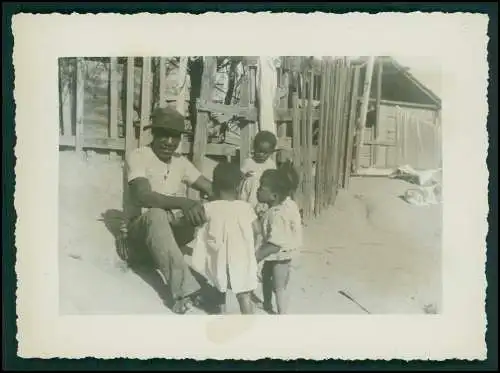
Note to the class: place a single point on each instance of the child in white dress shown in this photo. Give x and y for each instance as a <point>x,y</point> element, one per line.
<point>282,233</point>
<point>264,145</point>
<point>224,247</point>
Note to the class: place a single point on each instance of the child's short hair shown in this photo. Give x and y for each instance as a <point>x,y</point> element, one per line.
<point>266,136</point>
<point>283,180</point>
<point>227,176</point>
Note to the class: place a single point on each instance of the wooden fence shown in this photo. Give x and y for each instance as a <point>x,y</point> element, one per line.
<point>315,119</point>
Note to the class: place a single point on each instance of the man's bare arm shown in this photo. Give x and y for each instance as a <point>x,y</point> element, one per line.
<point>203,185</point>
<point>140,189</point>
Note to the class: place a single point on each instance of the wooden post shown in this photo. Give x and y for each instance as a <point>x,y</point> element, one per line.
<point>202,119</point>
<point>113,99</point>
<point>296,139</point>
<point>364,110</point>
<point>182,85</point>
<point>79,103</point>
<point>247,132</point>
<point>351,127</point>
<point>378,97</point>
<point>162,87</point>
<point>145,97</point>
<point>130,139</point>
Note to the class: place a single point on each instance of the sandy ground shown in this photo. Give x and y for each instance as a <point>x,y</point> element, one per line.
<point>372,245</point>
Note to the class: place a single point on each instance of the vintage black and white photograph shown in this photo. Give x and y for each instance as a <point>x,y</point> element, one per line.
<point>282,184</point>
<point>308,196</point>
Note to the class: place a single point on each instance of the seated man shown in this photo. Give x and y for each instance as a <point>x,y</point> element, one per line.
<point>157,179</point>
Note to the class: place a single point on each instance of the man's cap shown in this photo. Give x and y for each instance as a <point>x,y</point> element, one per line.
<point>168,119</point>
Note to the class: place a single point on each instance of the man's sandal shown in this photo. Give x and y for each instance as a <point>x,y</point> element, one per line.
<point>182,306</point>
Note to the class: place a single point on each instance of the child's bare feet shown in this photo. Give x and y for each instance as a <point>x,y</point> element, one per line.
<point>268,308</point>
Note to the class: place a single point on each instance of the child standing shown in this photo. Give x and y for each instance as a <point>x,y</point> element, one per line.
<point>224,247</point>
<point>282,233</point>
<point>264,145</point>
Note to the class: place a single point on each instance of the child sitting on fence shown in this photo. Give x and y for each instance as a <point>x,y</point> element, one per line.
<point>264,145</point>
<point>281,230</point>
<point>224,247</point>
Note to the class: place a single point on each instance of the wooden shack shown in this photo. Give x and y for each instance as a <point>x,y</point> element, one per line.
<point>403,122</point>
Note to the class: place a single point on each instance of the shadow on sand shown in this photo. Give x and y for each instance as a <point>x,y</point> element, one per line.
<point>146,269</point>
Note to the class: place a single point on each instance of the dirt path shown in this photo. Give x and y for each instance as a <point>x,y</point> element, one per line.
<point>372,245</point>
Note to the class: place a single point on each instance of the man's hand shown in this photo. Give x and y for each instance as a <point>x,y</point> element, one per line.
<point>194,212</point>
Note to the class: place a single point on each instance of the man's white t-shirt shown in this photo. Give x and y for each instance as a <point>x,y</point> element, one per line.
<point>169,179</point>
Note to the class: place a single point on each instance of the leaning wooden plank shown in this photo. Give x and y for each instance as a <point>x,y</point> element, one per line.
<point>113,98</point>
<point>345,125</point>
<point>338,129</point>
<point>145,97</point>
<point>331,188</point>
<point>79,102</point>
<point>351,127</point>
<point>246,131</point>
<point>130,137</point>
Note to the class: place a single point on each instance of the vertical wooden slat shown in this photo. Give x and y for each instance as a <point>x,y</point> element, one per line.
<point>378,97</point>
<point>130,139</point>
<point>252,92</point>
<point>329,132</point>
<point>296,139</point>
<point>351,127</point>
<point>326,137</point>
<point>303,137</point>
<point>145,97</point>
<point>113,98</point>
<point>320,160</point>
<point>338,128</point>
<point>163,83</point>
<point>66,94</point>
<point>182,85</point>
<point>79,103</point>
<point>345,125</point>
<point>308,186</point>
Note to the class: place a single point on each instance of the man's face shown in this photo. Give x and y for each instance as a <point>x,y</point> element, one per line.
<point>165,143</point>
